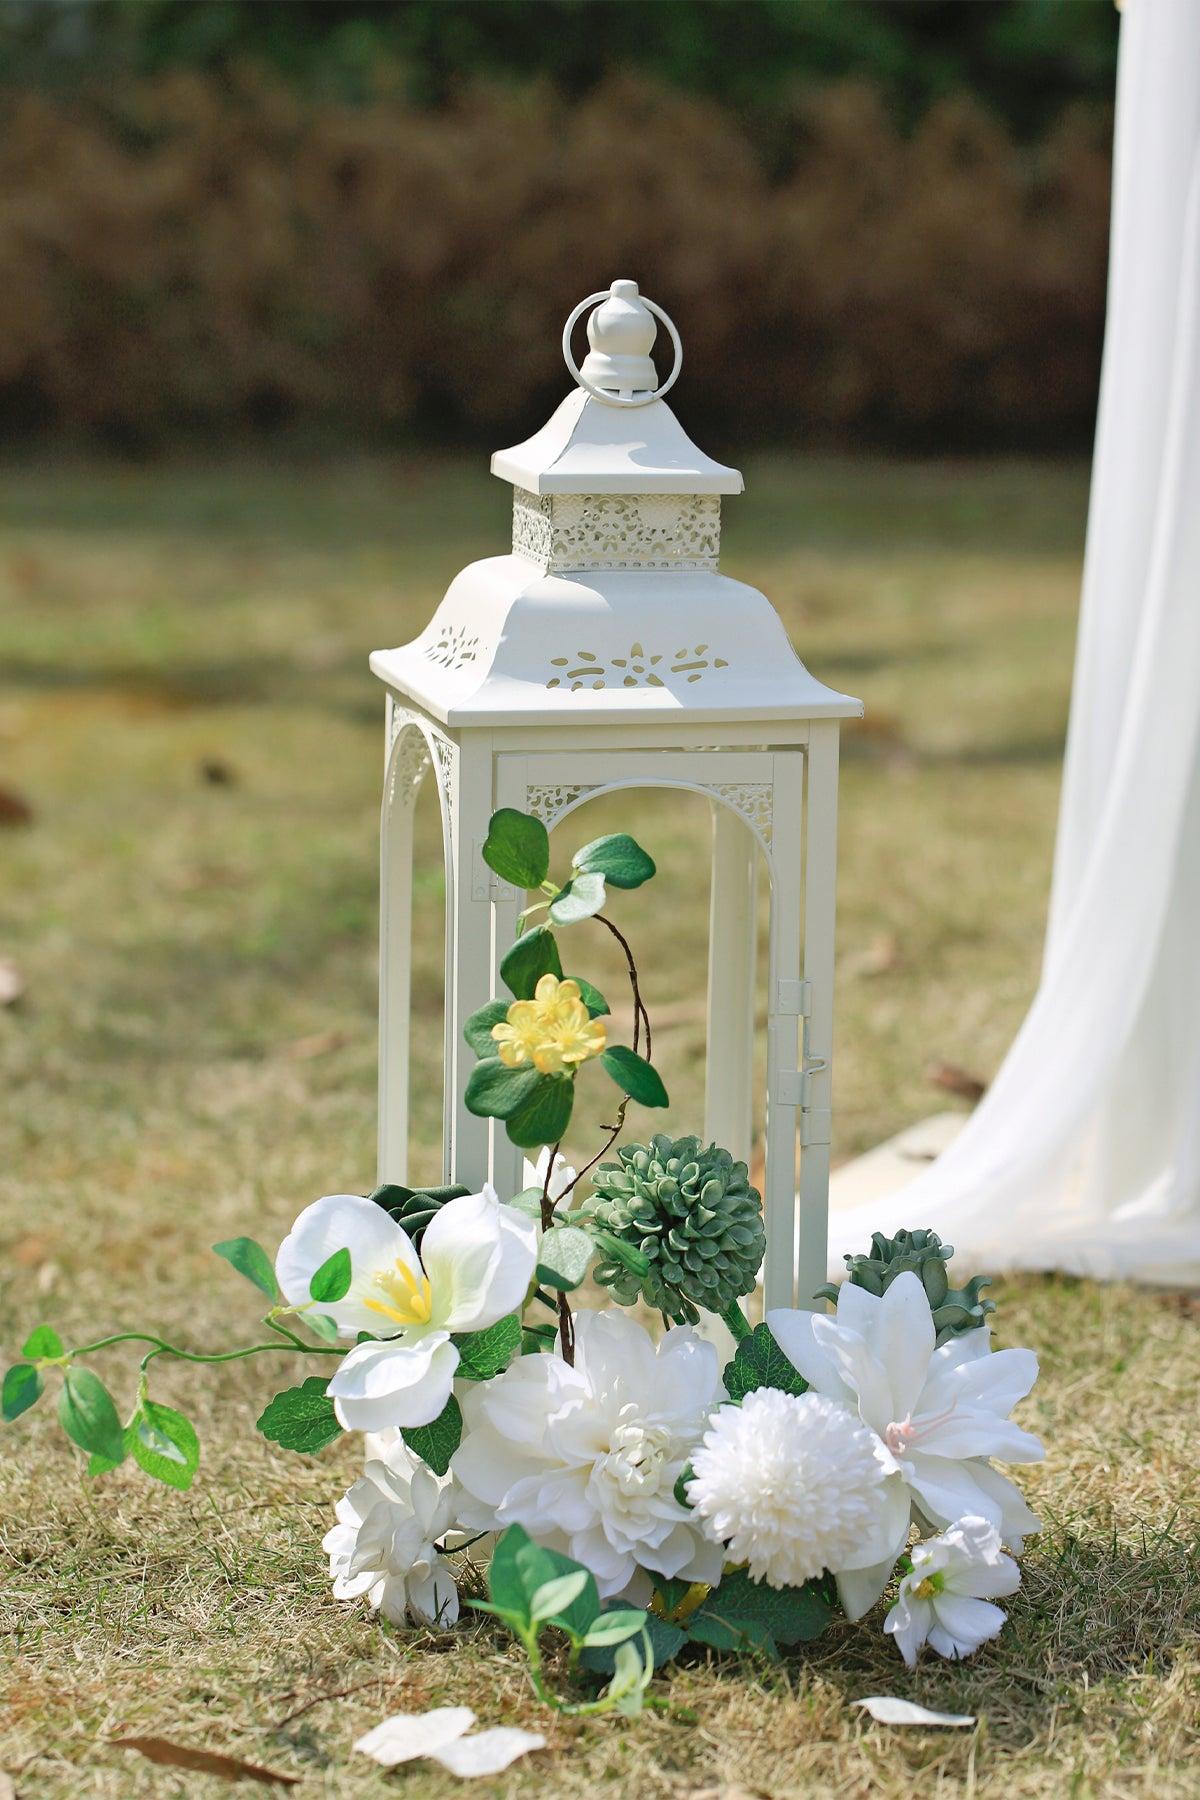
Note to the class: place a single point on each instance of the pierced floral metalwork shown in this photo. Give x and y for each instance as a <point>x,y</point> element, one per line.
<point>453,647</point>
<point>567,533</point>
<point>638,667</point>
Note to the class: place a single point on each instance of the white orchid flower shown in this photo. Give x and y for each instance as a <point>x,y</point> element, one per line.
<point>385,1543</point>
<point>562,1175</point>
<point>941,1413</point>
<point>946,1598</point>
<point>477,1261</point>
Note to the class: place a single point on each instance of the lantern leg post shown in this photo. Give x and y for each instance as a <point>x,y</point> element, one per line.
<point>732,935</point>
<point>507,1158</point>
<point>784,1003</point>
<point>468,953</point>
<point>820,884</point>
<point>402,777</point>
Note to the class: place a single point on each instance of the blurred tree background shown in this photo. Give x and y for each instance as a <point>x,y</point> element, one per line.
<point>879,221</point>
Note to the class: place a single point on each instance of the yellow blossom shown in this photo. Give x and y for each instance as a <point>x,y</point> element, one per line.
<point>553,1031</point>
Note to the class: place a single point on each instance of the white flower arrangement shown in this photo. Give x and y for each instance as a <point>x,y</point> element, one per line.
<point>630,1495</point>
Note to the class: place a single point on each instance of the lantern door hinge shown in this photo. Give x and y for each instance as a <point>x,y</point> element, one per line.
<point>793,999</point>
<point>815,1126</point>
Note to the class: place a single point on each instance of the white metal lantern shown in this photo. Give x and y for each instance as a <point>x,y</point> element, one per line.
<point>607,651</point>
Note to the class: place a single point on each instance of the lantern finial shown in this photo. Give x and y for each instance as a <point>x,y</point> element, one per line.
<point>619,369</point>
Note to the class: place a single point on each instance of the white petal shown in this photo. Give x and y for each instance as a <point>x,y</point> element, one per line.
<point>971,1432</point>
<point>479,1257</point>
<point>859,1589</point>
<point>884,1543</point>
<point>962,1624</point>
<point>1012,1517</point>
<point>903,1339</point>
<point>908,1622</point>
<point>487,1752</point>
<point>402,1382</point>
<point>435,1598</point>
<point>793,1332</point>
<point>889,1709</point>
<point>947,1490</point>
<point>406,1735</point>
<point>343,1222</point>
<point>992,1383</point>
<point>862,1372</point>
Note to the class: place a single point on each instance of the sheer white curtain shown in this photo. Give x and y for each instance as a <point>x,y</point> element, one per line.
<point>1085,1153</point>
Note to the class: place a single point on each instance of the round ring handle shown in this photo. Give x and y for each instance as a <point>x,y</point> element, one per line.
<point>603,394</point>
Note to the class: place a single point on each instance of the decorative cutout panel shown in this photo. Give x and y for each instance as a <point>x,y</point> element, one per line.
<point>549,803</point>
<point>638,667</point>
<point>755,801</point>
<point>453,648</point>
<point>566,533</point>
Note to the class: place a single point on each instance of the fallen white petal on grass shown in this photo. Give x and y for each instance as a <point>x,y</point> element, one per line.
<point>442,1736</point>
<point>889,1709</point>
<point>407,1735</point>
<point>489,1751</point>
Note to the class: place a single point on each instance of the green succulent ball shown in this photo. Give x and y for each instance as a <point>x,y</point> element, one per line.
<point>923,1254</point>
<point>691,1214</point>
<point>413,1208</point>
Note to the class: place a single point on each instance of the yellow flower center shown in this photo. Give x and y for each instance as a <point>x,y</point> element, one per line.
<point>553,1031</point>
<point>409,1297</point>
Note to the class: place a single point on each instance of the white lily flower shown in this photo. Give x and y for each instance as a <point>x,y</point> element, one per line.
<point>384,1545</point>
<point>477,1261</point>
<point>946,1599</point>
<point>941,1413</point>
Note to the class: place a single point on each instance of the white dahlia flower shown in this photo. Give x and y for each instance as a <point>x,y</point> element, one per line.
<point>586,1458</point>
<point>795,1484</point>
<point>385,1543</point>
<point>946,1598</point>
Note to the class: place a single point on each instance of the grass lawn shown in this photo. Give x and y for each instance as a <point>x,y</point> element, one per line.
<point>185,706</point>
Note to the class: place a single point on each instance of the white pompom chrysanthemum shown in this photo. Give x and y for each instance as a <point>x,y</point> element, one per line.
<point>794,1484</point>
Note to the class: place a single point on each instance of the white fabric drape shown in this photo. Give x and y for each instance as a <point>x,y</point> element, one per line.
<point>1085,1153</point>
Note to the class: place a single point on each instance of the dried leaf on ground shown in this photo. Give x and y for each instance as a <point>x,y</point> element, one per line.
<point>14,808</point>
<point>12,982</point>
<point>202,1762</point>
<point>954,1080</point>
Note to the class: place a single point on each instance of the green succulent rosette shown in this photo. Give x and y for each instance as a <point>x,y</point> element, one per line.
<point>691,1213</point>
<point>413,1208</point>
<point>920,1253</point>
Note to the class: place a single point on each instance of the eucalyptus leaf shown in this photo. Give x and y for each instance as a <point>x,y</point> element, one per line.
<point>635,1076</point>
<point>531,957</point>
<point>495,1091</point>
<point>517,848</point>
<point>545,1112</point>
<point>582,898</point>
<point>622,861</point>
<point>564,1257</point>
<point>478,1028</point>
<point>592,998</point>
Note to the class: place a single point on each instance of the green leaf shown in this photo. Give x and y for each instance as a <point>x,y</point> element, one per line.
<point>483,1354</point>
<point>544,1114</point>
<point>622,862</point>
<point>744,1611</point>
<point>614,1627</point>
<point>520,1570</point>
<point>621,1252</point>
<point>591,996</point>
<point>43,1341</point>
<point>531,957</point>
<point>331,1282</point>
<point>104,1465</point>
<point>686,1474</point>
<point>581,898</point>
<point>635,1076</point>
<point>88,1416</point>
<point>322,1326</point>
<point>506,1583</point>
<point>564,1257</point>
<point>556,1595</point>
<point>301,1418</point>
<point>496,1092</point>
<point>758,1363</point>
<point>666,1641</point>
<point>250,1260</point>
<point>22,1387</point>
<point>164,1444</point>
<point>437,1442</point>
<point>517,848</point>
<point>478,1028</point>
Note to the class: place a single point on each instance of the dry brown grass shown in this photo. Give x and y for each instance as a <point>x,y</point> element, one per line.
<point>194,1057</point>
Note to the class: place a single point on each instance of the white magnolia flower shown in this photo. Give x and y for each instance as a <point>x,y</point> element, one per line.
<point>587,1458</point>
<point>942,1413</point>
<point>796,1484</point>
<point>442,1735</point>
<point>946,1599</point>
<point>477,1260</point>
<point>384,1544</point>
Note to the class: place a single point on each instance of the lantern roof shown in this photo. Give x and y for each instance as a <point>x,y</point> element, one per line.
<point>612,604</point>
